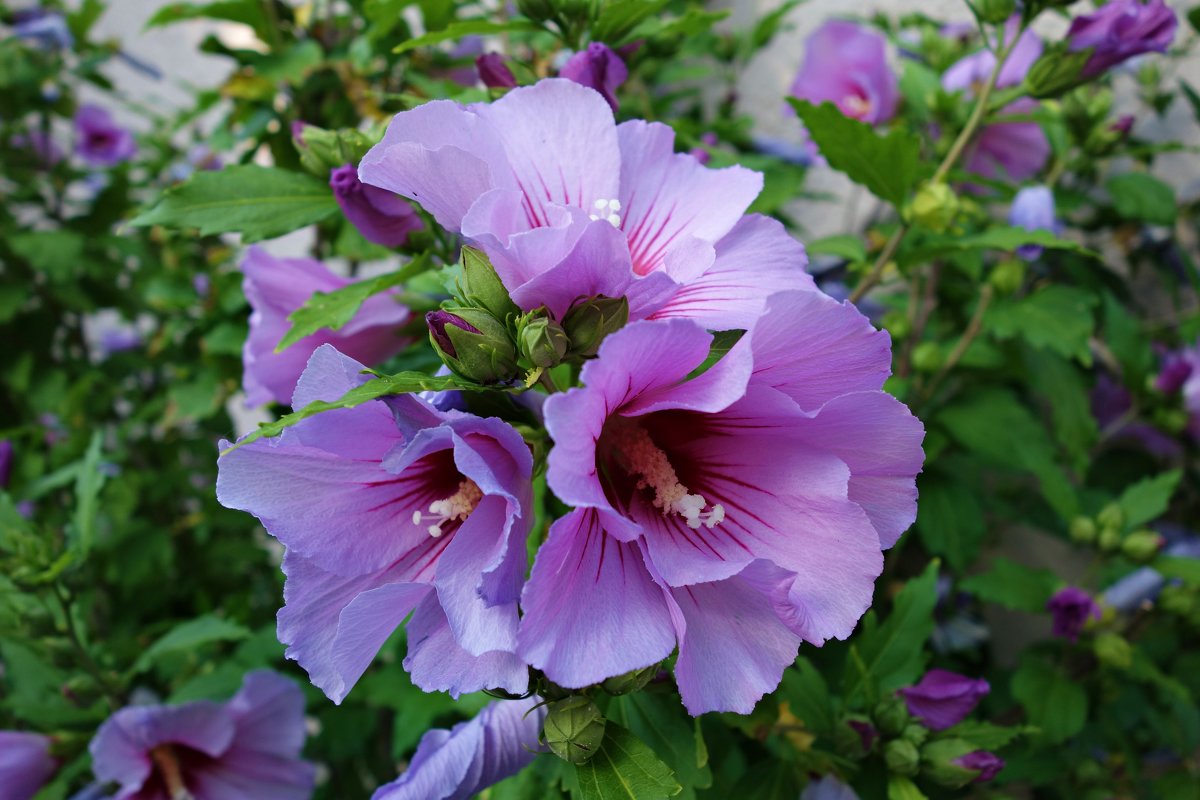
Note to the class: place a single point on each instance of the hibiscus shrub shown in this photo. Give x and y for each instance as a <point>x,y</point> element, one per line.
<point>553,456</point>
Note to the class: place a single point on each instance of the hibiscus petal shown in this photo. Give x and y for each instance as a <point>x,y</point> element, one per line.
<point>592,610</point>
<point>438,664</point>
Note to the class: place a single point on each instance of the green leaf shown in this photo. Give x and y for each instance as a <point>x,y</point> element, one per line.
<point>1065,387</point>
<point>467,27</point>
<point>893,653</point>
<point>258,202</point>
<point>694,22</point>
<point>844,246</point>
<point>1144,198</point>
<point>661,722</point>
<point>88,483</point>
<point>949,519</point>
<point>1057,318</point>
<point>1123,335</point>
<point>902,788</point>
<point>400,383</point>
<point>625,768</point>
<point>1003,238</point>
<point>619,18</point>
<point>1185,569</point>
<point>769,24</point>
<point>58,254</point>
<point>1147,500</point>
<point>248,12</point>
<point>1013,585</point>
<point>886,165</point>
<point>808,696</point>
<point>984,735</point>
<point>190,635</point>
<point>334,309</point>
<point>994,424</point>
<point>1053,702</point>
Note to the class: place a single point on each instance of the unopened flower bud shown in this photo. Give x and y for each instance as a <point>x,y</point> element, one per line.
<point>574,729</point>
<point>954,763</point>
<point>323,150</point>
<point>1007,276</point>
<point>897,324</point>
<point>854,738</point>
<point>915,733</point>
<point>1109,539</point>
<point>1083,530</point>
<point>592,319</point>
<point>494,73</point>
<point>927,357</point>
<point>630,681</point>
<point>891,715</point>
<point>1111,516</point>
<point>473,344</point>
<point>902,757</point>
<point>995,12</point>
<point>542,341</point>
<point>1113,650</point>
<point>935,206</point>
<point>1141,545</point>
<point>1056,72</point>
<point>481,287</point>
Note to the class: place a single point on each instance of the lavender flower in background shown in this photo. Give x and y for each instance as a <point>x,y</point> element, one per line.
<point>1033,210</point>
<point>199,157</point>
<point>1013,149</point>
<point>247,748</point>
<point>1071,607</point>
<point>943,699</point>
<point>1180,372</point>
<point>1121,29</point>
<point>494,72</point>
<point>846,64</point>
<point>970,73</point>
<point>1144,584</point>
<point>41,144</point>
<point>379,215</point>
<point>599,68</point>
<point>827,788</point>
<point>701,153</point>
<point>6,461</point>
<point>1111,405</point>
<point>99,140</point>
<point>626,216</point>
<point>987,764</point>
<point>48,29</point>
<point>275,287</point>
<point>387,509</point>
<point>459,763</point>
<point>663,477</point>
<point>25,764</point>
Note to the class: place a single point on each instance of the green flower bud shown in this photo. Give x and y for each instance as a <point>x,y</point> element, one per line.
<point>1083,530</point>
<point>935,206</point>
<point>1056,72</point>
<point>1008,275</point>
<point>322,150</point>
<point>1112,650</point>
<point>891,715</point>
<point>542,341</point>
<point>897,324</point>
<point>995,12</point>
<point>1141,545</point>
<point>480,286</point>
<point>855,737</point>
<point>938,763</point>
<point>927,357</point>
<point>902,757</point>
<point>1111,516</point>
<point>1109,539</point>
<point>590,320</point>
<point>473,344</point>
<point>630,681</point>
<point>574,729</point>
<point>1176,600</point>
<point>917,734</point>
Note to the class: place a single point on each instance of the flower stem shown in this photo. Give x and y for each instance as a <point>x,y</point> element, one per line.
<point>960,349</point>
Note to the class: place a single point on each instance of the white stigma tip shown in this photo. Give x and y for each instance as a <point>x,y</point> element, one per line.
<point>456,507</point>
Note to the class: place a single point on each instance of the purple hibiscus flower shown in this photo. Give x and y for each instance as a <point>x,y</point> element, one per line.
<point>6,461</point>
<point>275,287</point>
<point>459,763</point>
<point>1033,209</point>
<point>247,748</point>
<point>1072,608</point>
<point>380,216</point>
<point>597,67</point>
<point>970,73</point>
<point>1111,403</point>
<point>943,699</point>
<point>385,509</point>
<point>1121,29</point>
<point>1180,372</point>
<point>828,788</point>
<point>48,29</point>
<point>735,514</point>
<point>846,64</point>
<point>566,204</point>
<point>25,764</point>
<point>99,140</point>
<point>987,764</point>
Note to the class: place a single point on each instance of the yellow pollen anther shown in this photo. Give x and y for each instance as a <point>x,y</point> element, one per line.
<point>643,458</point>
<point>457,506</point>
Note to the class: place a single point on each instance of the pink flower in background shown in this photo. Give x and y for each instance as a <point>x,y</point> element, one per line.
<point>568,204</point>
<point>275,287</point>
<point>599,68</point>
<point>846,64</point>
<point>25,764</point>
